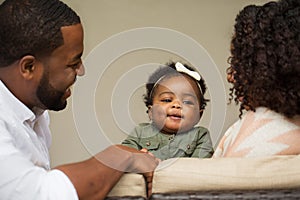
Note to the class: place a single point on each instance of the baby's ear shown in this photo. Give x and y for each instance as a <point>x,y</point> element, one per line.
<point>149,111</point>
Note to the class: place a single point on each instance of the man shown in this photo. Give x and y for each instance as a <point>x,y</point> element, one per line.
<point>41,44</point>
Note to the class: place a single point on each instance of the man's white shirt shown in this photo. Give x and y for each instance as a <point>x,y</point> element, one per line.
<point>25,138</point>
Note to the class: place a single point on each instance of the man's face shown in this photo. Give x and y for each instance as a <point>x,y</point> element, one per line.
<point>50,97</point>
<point>61,69</point>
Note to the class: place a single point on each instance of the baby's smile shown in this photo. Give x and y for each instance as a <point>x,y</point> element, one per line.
<point>175,116</point>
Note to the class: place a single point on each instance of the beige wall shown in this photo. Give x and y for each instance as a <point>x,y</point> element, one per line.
<point>208,22</point>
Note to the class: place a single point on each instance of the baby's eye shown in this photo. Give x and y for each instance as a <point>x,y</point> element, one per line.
<point>166,100</point>
<point>188,102</point>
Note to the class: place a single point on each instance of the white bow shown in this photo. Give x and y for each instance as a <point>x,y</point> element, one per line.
<point>181,68</point>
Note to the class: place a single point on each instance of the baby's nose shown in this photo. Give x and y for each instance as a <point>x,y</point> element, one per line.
<point>176,104</point>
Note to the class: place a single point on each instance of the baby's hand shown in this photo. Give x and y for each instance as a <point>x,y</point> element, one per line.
<point>146,151</point>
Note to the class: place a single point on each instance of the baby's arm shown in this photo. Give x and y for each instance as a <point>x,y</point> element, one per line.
<point>132,140</point>
<point>204,148</point>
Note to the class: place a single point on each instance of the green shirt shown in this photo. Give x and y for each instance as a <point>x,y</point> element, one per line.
<point>193,143</point>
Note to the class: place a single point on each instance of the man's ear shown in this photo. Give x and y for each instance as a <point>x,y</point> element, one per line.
<point>149,111</point>
<point>27,66</point>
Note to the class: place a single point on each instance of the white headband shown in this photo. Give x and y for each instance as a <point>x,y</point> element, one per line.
<point>195,75</point>
<point>181,68</point>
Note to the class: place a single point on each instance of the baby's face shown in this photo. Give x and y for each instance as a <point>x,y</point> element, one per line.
<point>175,104</point>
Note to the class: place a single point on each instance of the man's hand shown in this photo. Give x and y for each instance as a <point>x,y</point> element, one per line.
<point>95,177</point>
<point>127,159</point>
<point>142,162</point>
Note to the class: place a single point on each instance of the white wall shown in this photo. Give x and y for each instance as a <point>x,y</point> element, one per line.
<point>208,22</point>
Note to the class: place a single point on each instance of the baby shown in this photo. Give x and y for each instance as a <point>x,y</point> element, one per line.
<point>175,101</point>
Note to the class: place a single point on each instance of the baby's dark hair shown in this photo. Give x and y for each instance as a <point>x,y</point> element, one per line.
<point>32,27</point>
<point>170,70</point>
<point>265,57</point>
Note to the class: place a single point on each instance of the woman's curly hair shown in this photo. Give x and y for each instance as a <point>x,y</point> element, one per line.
<point>265,57</point>
<point>169,70</point>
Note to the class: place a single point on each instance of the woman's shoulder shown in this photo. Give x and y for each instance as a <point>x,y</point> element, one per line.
<point>261,132</point>
<point>266,116</point>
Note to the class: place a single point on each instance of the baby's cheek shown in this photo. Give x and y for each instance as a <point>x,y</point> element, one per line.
<point>194,117</point>
<point>158,116</point>
<point>158,110</point>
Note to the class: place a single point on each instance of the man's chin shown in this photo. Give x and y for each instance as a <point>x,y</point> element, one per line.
<point>58,107</point>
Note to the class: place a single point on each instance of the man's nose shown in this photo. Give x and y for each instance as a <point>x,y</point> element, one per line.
<point>80,71</point>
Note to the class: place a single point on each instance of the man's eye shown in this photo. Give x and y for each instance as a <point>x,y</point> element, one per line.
<point>74,66</point>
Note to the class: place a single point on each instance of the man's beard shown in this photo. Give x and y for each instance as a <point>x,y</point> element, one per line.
<point>51,98</point>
